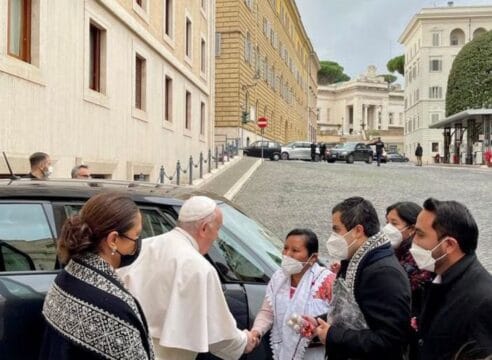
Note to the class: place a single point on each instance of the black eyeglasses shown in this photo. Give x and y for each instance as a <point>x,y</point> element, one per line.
<point>129,238</point>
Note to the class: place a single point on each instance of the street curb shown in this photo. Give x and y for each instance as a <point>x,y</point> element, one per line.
<point>240,183</point>
<point>198,183</point>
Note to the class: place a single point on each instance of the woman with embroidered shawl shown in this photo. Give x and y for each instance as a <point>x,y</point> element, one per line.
<point>89,313</point>
<point>300,287</point>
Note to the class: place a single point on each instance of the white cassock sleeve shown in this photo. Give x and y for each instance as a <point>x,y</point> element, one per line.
<point>230,349</point>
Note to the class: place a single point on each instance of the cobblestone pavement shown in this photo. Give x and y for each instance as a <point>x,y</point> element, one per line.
<point>288,194</point>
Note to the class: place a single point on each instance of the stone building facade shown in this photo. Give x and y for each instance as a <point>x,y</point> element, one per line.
<point>265,67</point>
<point>360,109</point>
<point>432,39</point>
<point>123,86</point>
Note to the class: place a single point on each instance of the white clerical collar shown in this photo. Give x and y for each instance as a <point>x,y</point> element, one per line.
<point>437,280</point>
<point>189,237</point>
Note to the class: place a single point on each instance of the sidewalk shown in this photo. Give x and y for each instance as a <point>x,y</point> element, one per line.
<point>229,182</point>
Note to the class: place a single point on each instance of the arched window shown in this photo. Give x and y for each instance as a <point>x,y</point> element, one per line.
<point>478,32</point>
<point>457,37</point>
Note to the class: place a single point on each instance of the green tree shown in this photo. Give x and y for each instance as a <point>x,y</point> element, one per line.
<point>389,78</point>
<point>330,73</point>
<point>397,64</point>
<point>470,79</point>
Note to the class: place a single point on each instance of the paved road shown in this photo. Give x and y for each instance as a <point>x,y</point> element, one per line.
<point>288,194</point>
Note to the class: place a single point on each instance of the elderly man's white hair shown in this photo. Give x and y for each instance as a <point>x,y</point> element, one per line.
<point>196,210</point>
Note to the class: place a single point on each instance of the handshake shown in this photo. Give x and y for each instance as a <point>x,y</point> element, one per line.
<point>254,339</point>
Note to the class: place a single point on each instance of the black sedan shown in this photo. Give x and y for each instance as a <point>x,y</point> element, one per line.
<point>271,150</point>
<point>350,152</point>
<point>397,157</point>
<point>32,212</point>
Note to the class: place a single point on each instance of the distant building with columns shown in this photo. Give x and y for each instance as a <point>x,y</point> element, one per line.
<point>361,108</point>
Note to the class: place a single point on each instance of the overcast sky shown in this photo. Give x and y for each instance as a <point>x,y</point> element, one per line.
<point>358,33</point>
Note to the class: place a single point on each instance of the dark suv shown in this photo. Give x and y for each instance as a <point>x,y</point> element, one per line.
<point>350,152</point>
<point>32,212</point>
<point>271,149</point>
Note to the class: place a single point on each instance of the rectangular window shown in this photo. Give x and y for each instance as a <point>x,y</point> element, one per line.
<point>436,39</point>
<point>168,18</point>
<point>203,56</point>
<point>96,50</point>
<point>435,65</point>
<point>188,111</point>
<point>140,82</point>
<point>19,29</point>
<point>434,118</point>
<point>435,147</point>
<point>435,92</point>
<point>218,43</point>
<point>168,102</point>
<point>390,115</point>
<point>188,40</point>
<point>202,118</point>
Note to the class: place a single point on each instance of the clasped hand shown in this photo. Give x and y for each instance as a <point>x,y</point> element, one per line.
<point>254,339</point>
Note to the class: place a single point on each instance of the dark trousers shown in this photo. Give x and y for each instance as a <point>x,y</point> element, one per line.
<point>378,158</point>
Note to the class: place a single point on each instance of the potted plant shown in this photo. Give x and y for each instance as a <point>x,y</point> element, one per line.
<point>488,157</point>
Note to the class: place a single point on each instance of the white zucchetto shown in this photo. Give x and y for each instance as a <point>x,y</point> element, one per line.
<point>196,208</point>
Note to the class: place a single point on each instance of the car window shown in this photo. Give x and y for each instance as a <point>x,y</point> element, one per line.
<point>266,244</point>
<point>153,222</point>
<point>239,261</point>
<point>272,145</point>
<point>26,240</point>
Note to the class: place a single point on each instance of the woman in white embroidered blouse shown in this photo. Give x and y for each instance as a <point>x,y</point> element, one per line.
<point>300,287</point>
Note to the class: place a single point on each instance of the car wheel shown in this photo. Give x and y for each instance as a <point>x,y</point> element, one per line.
<point>284,156</point>
<point>275,157</point>
<point>350,159</point>
<point>369,159</point>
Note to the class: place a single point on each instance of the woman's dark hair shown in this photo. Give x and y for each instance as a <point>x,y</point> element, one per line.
<point>101,214</point>
<point>310,239</point>
<point>406,210</point>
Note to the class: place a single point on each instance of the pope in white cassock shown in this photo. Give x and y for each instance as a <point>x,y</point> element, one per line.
<point>180,291</point>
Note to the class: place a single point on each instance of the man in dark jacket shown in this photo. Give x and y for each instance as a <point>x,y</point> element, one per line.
<point>313,151</point>
<point>456,318</point>
<point>379,149</point>
<point>418,154</point>
<point>374,322</point>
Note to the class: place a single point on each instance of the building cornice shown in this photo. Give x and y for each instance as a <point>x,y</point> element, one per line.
<point>440,13</point>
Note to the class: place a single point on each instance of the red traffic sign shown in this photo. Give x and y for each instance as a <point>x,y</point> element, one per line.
<point>262,122</point>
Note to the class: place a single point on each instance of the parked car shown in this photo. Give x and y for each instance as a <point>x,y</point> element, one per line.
<point>271,149</point>
<point>299,150</point>
<point>32,212</point>
<point>397,157</point>
<point>384,155</point>
<point>350,152</point>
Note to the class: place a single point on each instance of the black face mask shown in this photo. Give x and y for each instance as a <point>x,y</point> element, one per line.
<point>127,260</point>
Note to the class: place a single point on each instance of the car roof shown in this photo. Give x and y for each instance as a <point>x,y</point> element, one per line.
<point>63,189</point>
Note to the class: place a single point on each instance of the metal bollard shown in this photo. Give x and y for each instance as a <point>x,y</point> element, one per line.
<point>178,172</point>
<point>216,157</point>
<point>201,165</point>
<point>222,154</point>
<point>161,174</point>
<point>209,161</point>
<point>191,170</point>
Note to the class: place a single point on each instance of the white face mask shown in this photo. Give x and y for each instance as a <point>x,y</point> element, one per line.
<point>291,266</point>
<point>393,234</point>
<point>48,172</point>
<point>423,257</point>
<point>337,246</point>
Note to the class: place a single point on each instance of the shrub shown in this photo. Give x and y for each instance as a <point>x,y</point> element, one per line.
<point>470,79</point>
